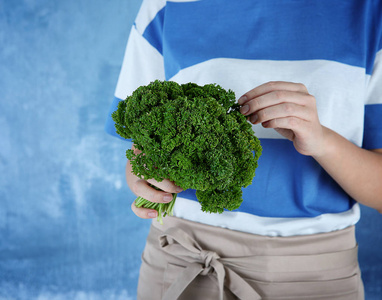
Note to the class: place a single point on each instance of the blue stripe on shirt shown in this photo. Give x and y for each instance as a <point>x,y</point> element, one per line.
<point>372,137</point>
<point>286,185</point>
<point>194,32</point>
<point>154,31</point>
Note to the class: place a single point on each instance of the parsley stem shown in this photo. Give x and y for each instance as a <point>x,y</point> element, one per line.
<point>163,209</point>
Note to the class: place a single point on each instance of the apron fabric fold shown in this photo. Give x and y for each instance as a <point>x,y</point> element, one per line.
<point>187,260</point>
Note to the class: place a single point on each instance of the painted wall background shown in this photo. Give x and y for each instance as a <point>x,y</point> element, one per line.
<point>66,229</point>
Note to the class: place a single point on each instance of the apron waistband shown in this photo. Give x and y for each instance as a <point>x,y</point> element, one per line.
<point>198,261</point>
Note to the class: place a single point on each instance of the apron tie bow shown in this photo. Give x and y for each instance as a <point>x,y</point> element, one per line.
<point>207,257</point>
<point>199,261</point>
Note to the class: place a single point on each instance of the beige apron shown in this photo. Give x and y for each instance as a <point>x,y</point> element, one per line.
<point>187,260</point>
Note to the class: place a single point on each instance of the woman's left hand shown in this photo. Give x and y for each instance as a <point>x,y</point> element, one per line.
<point>290,110</point>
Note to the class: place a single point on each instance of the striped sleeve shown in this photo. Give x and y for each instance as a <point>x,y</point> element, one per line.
<point>372,138</point>
<point>372,135</point>
<point>143,60</point>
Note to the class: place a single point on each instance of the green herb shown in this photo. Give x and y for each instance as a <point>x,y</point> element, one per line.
<point>192,135</point>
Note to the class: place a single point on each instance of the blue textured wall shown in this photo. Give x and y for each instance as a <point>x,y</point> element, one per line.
<point>66,229</point>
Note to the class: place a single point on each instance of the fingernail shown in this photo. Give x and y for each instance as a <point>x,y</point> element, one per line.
<point>152,214</point>
<point>167,198</point>
<point>178,189</point>
<point>242,99</point>
<point>244,109</point>
<point>254,118</point>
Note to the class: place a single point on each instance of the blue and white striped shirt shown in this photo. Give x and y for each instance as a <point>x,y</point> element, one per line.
<point>333,48</point>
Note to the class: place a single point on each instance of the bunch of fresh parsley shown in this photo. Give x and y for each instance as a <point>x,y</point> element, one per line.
<point>192,135</point>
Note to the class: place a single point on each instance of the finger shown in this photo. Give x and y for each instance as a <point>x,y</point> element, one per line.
<point>293,123</point>
<point>142,188</point>
<point>270,87</point>
<point>166,185</point>
<point>274,98</point>
<point>144,213</point>
<point>136,151</point>
<point>281,111</point>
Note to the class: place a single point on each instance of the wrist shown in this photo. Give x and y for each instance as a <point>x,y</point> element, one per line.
<point>327,146</point>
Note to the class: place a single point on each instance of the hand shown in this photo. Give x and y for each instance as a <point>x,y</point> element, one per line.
<point>290,110</point>
<point>141,187</point>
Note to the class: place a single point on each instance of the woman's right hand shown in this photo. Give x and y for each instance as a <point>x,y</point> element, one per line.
<point>141,187</point>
